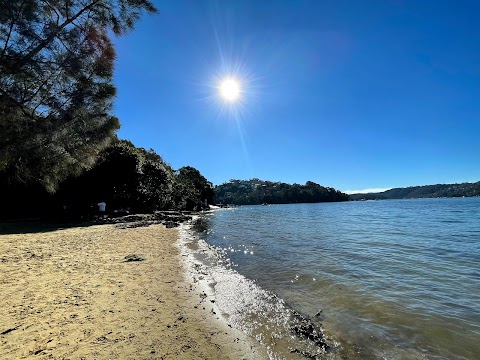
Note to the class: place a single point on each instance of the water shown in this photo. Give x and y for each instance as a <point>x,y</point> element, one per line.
<point>397,279</point>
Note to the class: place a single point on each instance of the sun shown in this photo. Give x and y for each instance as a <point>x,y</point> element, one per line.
<point>230,89</point>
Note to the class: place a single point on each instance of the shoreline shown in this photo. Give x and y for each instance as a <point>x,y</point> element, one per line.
<point>79,292</point>
<point>267,320</point>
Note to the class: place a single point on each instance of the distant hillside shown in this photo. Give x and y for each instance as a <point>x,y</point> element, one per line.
<point>255,191</point>
<point>426,191</point>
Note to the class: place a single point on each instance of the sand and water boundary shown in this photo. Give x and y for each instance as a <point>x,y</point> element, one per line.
<point>108,291</point>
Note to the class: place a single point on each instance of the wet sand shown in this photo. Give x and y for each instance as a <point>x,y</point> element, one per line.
<point>71,294</point>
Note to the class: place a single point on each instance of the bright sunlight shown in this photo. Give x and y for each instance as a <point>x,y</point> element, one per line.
<point>230,89</point>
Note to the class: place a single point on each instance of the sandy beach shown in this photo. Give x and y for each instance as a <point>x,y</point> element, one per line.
<point>72,294</point>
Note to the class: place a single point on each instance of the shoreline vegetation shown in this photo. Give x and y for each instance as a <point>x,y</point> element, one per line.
<point>130,180</point>
<point>116,290</point>
<point>256,192</point>
<point>424,191</point>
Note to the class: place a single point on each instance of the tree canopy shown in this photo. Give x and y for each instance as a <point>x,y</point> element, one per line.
<point>256,191</point>
<point>125,177</point>
<point>56,87</point>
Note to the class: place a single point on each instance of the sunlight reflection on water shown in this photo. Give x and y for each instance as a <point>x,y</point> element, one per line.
<point>391,277</point>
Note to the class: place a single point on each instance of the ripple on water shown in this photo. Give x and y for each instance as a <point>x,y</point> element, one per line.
<point>260,314</point>
<point>391,276</point>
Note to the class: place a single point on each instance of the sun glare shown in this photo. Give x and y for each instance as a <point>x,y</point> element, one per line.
<point>230,89</point>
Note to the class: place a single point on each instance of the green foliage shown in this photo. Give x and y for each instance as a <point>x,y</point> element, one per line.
<point>137,179</point>
<point>192,189</point>
<point>125,177</point>
<point>255,191</point>
<point>56,89</point>
<point>426,191</point>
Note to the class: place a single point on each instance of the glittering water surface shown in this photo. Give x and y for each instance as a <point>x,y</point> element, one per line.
<point>395,279</point>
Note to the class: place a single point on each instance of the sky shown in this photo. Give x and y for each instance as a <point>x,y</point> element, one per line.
<point>353,94</point>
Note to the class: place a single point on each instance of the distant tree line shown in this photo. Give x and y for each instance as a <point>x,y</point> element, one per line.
<point>255,191</point>
<point>125,177</point>
<point>426,191</point>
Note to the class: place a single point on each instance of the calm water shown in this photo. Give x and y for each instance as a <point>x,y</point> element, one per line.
<point>395,279</point>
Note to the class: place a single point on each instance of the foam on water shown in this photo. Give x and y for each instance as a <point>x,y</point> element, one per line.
<point>246,306</point>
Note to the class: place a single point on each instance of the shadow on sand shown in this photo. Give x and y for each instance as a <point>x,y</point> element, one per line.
<point>170,219</point>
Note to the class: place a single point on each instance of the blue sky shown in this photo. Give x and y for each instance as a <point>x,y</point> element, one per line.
<point>348,94</point>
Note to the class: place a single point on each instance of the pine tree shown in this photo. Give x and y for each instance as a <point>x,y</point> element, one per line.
<point>56,84</point>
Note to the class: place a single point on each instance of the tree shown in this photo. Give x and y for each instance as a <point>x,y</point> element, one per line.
<point>156,183</point>
<point>192,189</point>
<point>125,177</point>
<point>255,191</point>
<point>56,90</point>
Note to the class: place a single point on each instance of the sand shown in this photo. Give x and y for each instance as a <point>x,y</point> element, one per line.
<point>70,294</point>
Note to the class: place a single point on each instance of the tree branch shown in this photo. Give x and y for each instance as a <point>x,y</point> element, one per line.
<point>10,30</point>
<point>53,35</point>
<point>54,10</point>
<point>14,102</point>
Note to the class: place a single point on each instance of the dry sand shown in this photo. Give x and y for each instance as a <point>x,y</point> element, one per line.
<point>70,294</point>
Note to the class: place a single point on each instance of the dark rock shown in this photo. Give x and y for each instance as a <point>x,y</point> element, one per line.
<point>304,329</point>
<point>133,257</point>
<point>170,219</point>
<point>171,224</point>
<point>8,330</point>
